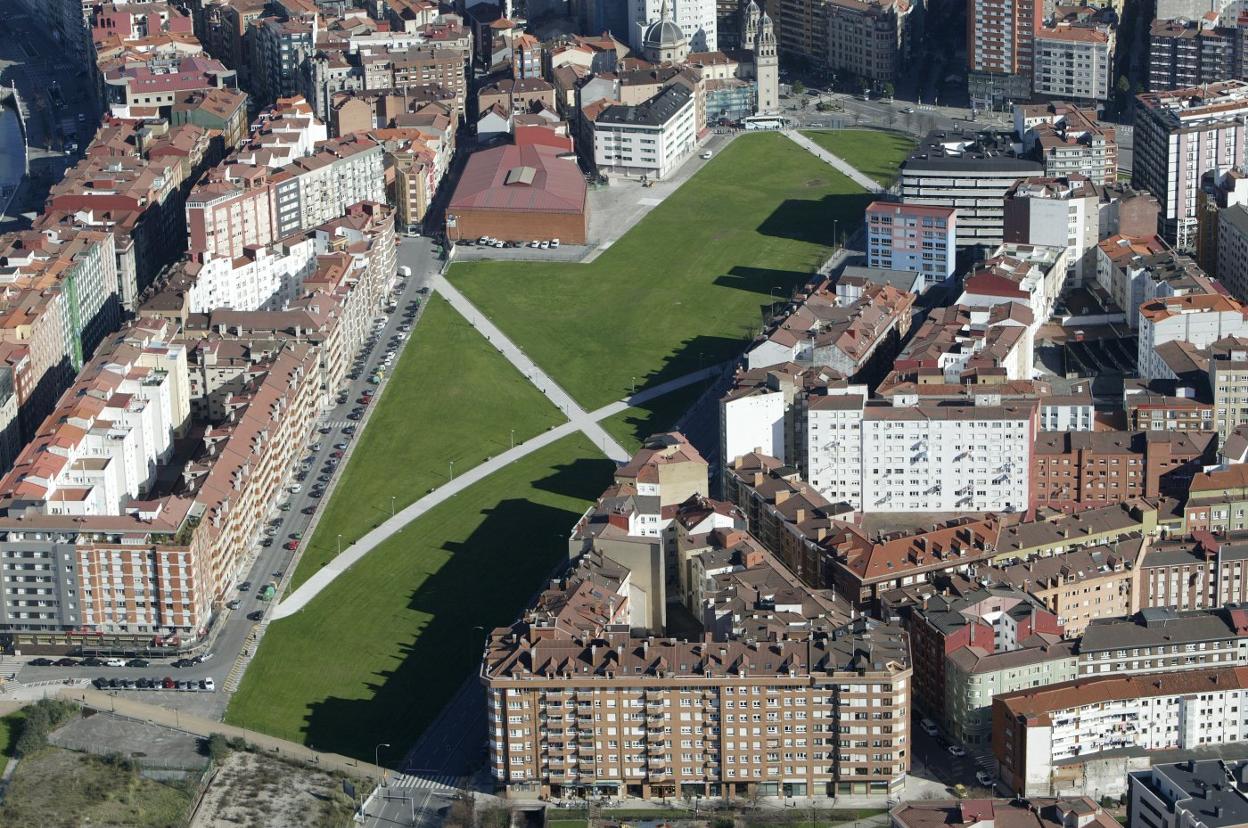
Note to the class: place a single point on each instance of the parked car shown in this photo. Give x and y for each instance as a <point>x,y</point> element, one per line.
<point>929,727</point>
<point>255,615</point>
<point>984,778</point>
<point>291,545</point>
<point>41,662</point>
<point>233,604</point>
<point>92,661</point>
<point>244,586</point>
<point>138,662</point>
<point>208,684</point>
<point>956,750</point>
<point>66,662</point>
<point>115,662</point>
<point>100,683</point>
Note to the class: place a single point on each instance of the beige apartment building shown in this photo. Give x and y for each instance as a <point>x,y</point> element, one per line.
<point>782,694</point>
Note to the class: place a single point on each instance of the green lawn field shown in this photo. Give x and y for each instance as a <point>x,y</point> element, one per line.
<point>453,397</point>
<point>875,154</point>
<point>683,289</point>
<point>376,655</point>
<point>632,425</point>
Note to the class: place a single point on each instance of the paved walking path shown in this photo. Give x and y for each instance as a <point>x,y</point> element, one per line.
<point>870,184</point>
<point>577,415</point>
<point>579,420</point>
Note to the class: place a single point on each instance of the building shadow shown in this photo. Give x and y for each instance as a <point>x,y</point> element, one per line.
<point>765,281</point>
<point>486,580</point>
<point>817,221</point>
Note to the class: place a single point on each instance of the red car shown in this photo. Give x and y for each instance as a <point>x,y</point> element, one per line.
<point>363,400</point>
<point>167,683</point>
<point>336,454</point>
<point>291,545</point>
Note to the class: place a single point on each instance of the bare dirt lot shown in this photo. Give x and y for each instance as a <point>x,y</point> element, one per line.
<point>255,790</point>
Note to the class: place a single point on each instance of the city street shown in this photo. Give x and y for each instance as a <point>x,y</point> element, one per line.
<point>233,627</point>
<point>54,92</point>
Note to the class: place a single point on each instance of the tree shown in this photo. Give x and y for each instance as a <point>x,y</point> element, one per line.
<point>888,89</point>
<point>799,88</point>
<point>218,748</point>
<point>1124,85</point>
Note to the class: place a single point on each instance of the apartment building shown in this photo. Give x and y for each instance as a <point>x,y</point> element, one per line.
<point>672,730</point>
<point>1031,275</point>
<point>958,345</point>
<point>1228,379</point>
<point>1194,790</point>
<point>1056,212</point>
<point>1075,60</point>
<point>1217,193</point>
<point>1039,733</point>
<point>61,298</point>
<point>278,50</point>
<point>1078,586</point>
<point>1163,640</point>
<point>972,647</point>
<point>912,237</point>
<point>319,188</point>
<point>1179,136</point>
<point>1198,572</point>
<point>968,172</point>
<point>871,39</point>
<point>138,83</point>
<point>855,338</point>
<point>1000,50</point>
<point>1077,469</point>
<point>1069,141</point>
<point>1167,405</point>
<point>1198,319</point>
<point>1185,52</point>
<point>1232,247</point>
<point>1134,270</point>
<point>648,140</point>
<point>263,278</point>
<point>231,210</point>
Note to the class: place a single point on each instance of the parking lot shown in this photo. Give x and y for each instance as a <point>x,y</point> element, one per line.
<point>1093,357</point>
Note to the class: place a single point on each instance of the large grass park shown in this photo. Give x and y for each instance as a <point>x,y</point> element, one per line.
<point>375,655</point>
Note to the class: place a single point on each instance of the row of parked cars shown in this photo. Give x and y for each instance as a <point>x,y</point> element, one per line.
<point>489,241</point>
<point>206,685</point>
<point>90,661</point>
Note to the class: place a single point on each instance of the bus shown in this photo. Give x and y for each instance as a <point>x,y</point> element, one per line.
<point>765,122</point>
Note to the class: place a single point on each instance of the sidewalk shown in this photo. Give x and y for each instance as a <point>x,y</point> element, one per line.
<point>869,184</point>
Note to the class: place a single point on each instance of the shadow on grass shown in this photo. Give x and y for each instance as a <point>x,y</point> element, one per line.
<point>811,221</point>
<point>765,281</point>
<point>701,352</point>
<point>486,581</point>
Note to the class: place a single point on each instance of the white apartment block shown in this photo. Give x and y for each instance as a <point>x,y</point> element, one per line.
<point>930,458</point>
<point>264,278</point>
<point>1074,62</point>
<point>1179,136</point>
<point>125,418</point>
<point>696,19</point>
<point>1078,720</point>
<point>282,134</point>
<point>1200,319</point>
<point>754,421</point>
<point>648,140</point>
<point>833,445</point>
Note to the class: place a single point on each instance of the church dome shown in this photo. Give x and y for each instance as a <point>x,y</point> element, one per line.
<point>662,34</point>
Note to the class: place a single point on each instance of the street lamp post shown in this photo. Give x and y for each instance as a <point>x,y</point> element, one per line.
<point>513,438</point>
<point>339,543</point>
<point>391,505</point>
<point>450,465</point>
<point>377,759</point>
<point>836,232</point>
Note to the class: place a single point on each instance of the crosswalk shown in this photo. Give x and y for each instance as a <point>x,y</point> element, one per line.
<point>245,656</point>
<point>419,780</point>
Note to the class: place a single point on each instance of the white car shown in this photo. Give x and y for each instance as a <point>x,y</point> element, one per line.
<point>706,155</point>
<point>984,778</point>
<point>554,242</point>
<point>957,750</point>
<point>295,489</point>
<point>929,727</point>
<point>210,685</point>
<point>115,662</point>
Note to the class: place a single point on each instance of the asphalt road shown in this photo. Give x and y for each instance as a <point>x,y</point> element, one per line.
<point>31,60</point>
<point>418,254</point>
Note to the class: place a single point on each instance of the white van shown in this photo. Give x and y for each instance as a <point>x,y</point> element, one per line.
<point>405,271</point>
